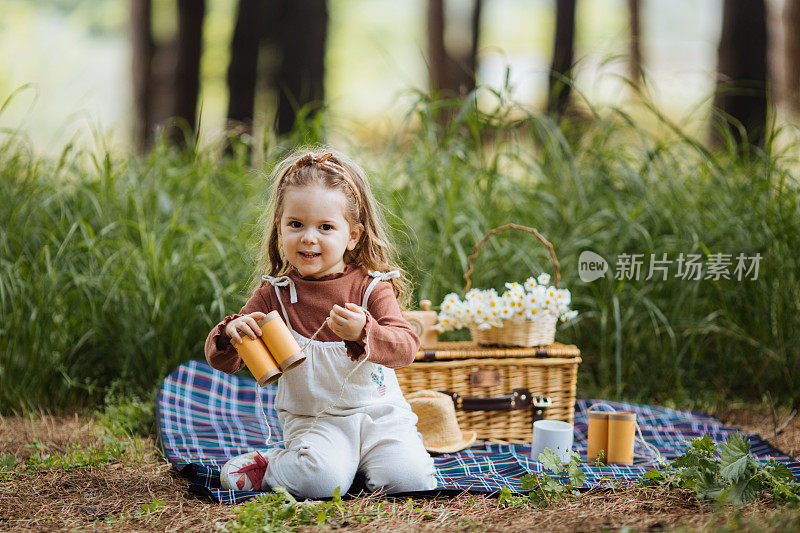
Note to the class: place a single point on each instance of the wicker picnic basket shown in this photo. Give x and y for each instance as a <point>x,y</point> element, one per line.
<point>498,392</point>
<point>505,378</point>
<point>520,332</point>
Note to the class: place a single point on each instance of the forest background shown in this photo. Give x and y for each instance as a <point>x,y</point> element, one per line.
<point>137,137</point>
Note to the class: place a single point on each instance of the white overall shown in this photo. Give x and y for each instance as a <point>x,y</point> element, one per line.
<point>370,428</point>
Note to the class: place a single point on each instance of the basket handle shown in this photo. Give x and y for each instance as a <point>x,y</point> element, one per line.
<point>501,229</point>
<point>518,399</point>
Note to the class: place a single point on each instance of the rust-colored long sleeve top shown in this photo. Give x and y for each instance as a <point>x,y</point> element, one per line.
<point>393,342</point>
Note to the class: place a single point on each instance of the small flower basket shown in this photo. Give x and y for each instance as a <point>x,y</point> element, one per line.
<point>524,315</point>
<point>524,332</point>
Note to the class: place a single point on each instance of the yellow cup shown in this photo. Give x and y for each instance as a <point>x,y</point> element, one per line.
<point>258,359</point>
<point>271,354</point>
<point>621,432</point>
<point>280,341</point>
<point>598,435</point>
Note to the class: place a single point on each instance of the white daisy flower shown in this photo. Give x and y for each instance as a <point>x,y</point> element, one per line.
<point>513,296</point>
<point>532,300</point>
<point>563,296</point>
<point>543,278</point>
<point>451,298</point>
<point>444,324</point>
<point>569,316</point>
<point>473,293</point>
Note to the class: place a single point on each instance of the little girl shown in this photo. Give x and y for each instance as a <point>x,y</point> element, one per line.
<point>328,261</point>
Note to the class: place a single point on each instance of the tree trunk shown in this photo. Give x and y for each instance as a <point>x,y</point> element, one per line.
<point>741,95</point>
<point>162,84</point>
<point>452,75</point>
<point>563,53</point>
<point>437,55</point>
<point>792,54</point>
<point>302,36</point>
<point>243,66</point>
<point>142,49</point>
<point>187,69</point>
<point>635,45</point>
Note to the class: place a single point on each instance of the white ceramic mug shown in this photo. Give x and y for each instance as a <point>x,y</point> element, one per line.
<point>553,434</point>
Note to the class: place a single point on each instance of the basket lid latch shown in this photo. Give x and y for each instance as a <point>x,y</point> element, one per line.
<point>540,405</point>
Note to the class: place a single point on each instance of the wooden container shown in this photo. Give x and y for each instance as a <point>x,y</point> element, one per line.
<point>499,392</point>
<point>422,322</point>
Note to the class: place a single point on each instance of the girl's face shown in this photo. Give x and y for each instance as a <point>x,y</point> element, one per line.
<point>313,231</point>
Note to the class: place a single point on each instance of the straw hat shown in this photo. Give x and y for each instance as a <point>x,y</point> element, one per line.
<point>437,422</point>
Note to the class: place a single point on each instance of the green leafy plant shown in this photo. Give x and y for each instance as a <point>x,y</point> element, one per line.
<point>280,511</point>
<point>425,515</point>
<point>76,457</point>
<point>470,525</point>
<point>124,415</point>
<point>544,489</point>
<point>8,461</point>
<point>730,474</point>
<point>144,511</point>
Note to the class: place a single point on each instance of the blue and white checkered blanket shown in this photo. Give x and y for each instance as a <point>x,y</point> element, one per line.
<point>204,417</point>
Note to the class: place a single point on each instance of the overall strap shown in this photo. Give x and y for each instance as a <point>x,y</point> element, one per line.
<point>282,281</point>
<point>379,276</point>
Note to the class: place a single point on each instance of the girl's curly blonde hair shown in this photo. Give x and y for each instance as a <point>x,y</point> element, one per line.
<point>323,167</point>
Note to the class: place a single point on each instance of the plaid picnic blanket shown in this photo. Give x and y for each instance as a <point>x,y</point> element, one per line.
<point>204,417</point>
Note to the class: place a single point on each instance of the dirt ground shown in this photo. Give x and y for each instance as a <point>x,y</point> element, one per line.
<point>98,498</point>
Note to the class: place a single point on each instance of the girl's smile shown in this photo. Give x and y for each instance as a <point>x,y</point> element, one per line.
<point>314,232</point>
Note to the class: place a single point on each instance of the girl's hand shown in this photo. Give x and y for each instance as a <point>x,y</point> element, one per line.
<point>244,324</point>
<point>347,322</point>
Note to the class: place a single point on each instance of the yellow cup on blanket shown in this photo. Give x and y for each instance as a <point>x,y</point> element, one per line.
<point>598,435</point>
<point>274,352</point>
<point>621,433</point>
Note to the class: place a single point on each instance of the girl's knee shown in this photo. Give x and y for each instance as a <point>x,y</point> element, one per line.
<point>317,475</point>
<point>405,476</point>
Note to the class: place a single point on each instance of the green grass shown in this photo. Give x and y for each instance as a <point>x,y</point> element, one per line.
<point>143,512</point>
<point>113,268</point>
<point>43,459</point>
<point>279,511</point>
<point>125,416</point>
